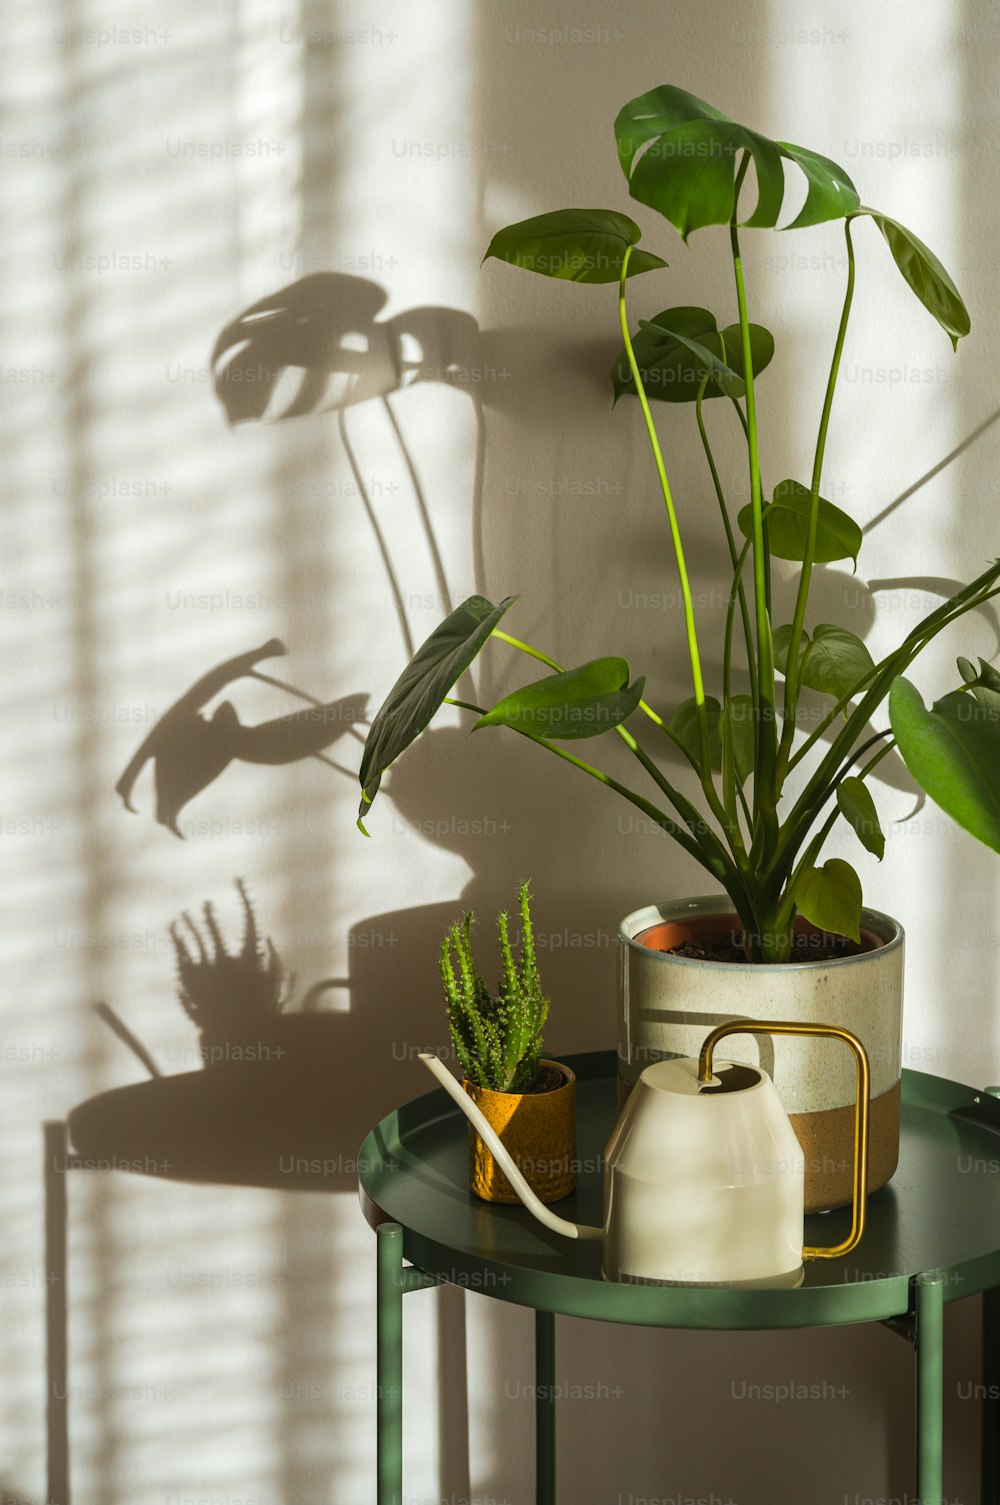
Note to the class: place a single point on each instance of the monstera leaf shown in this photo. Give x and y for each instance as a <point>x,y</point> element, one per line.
<point>676,349</point>
<point>680,157</point>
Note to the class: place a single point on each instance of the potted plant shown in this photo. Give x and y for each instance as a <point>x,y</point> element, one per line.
<point>789,935</point>
<point>527,1099</point>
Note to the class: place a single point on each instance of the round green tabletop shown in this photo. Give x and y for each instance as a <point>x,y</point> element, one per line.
<point>941,1211</point>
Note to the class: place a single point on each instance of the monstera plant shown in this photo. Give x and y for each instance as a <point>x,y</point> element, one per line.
<point>744,735</point>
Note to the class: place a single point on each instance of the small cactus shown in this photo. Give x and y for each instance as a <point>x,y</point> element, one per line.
<point>223,994</point>
<point>498,1041</point>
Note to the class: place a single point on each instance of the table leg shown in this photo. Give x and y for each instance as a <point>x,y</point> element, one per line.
<point>930,1385</point>
<point>389,1326</point>
<point>990,1411</point>
<point>56,1329</point>
<point>545,1408</point>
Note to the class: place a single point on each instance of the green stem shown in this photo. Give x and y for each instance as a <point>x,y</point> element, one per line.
<point>734,557</point>
<point>719,867</point>
<point>730,787</point>
<point>792,683</point>
<point>765,791</point>
<point>860,752</point>
<point>660,817</point>
<point>692,818</point>
<point>463,705</point>
<point>542,658</point>
<point>689,623</point>
<point>814,848</point>
<point>814,794</point>
<point>973,595</point>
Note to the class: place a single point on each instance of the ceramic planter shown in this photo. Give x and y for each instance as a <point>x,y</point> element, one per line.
<point>668,1004</point>
<point>539,1131</point>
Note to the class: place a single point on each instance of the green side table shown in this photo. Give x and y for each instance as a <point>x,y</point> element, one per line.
<point>933,1236</point>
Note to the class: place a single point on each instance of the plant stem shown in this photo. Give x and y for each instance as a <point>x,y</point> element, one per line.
<point>542,658</point>
<point>702,841</point>
<point>719,867</point>
<point>659,816</point>
<point>973,595</point>
<point>792,685</point>
<point>817,790</point>
<point>814,848</point>
<point>860,752</point>
<point>697,681</point>
<point>734,558</point>
<point>764,789</point>
<point>692,817</point>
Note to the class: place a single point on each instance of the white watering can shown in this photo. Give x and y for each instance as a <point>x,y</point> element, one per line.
<point>704,1177</point>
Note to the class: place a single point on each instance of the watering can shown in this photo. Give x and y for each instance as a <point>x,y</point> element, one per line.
<point>704,1176</point>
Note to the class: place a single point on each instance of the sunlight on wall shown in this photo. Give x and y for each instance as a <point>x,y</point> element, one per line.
<point>169,176</point>
<point>340,165</point>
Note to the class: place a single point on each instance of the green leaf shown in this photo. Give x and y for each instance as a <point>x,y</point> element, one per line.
<point>837,661</point>
<point>573,704</point>
<point>984,682</point>
<point>709,364</point>
<point>857,805</point>
<point>680,156</point>
<point>988,676</point>
<point>578,245</point>
<point>422,687</point>
<point>683,728</point>
<point>671,350</point>
<point>953,752</point>
<point>786,520</point>
<point>833,661</point>
<point>925,275</point>
<point>830,898</point>
<point>740,718</point>
<point>831,193</point>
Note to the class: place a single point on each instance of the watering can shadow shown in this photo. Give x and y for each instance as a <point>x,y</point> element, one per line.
<point>704,1179</point>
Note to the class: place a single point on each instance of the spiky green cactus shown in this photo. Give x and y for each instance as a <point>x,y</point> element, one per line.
<point>228,995</point>
<point>498,1041</point>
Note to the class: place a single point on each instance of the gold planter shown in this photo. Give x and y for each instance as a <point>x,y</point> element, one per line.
<point>539,1131</point>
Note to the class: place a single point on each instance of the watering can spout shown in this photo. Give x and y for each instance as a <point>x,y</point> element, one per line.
<point>493,1143</point>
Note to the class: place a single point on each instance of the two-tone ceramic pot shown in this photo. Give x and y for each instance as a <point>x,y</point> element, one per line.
<point>667,1004</point>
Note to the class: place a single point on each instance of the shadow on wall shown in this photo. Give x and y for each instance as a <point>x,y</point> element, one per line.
<point>318,347</point>
<point>189,750</point>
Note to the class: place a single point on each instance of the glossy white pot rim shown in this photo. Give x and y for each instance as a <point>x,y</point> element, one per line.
<point>888,930</point>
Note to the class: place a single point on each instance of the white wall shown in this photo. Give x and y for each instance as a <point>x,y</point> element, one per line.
<point>153,189</point>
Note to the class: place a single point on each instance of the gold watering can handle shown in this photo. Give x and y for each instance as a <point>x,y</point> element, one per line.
<point>862,1099</point>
